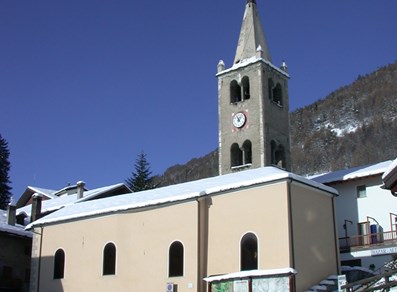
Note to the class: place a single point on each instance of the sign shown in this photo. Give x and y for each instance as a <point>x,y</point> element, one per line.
<point>382,251</point>
<point>240,286</point>
<point>341,282</point>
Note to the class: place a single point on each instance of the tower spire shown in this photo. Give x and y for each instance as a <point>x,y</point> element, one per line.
<point>251,35</point>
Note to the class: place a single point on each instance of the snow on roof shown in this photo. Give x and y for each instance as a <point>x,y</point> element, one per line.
<point>389,170</point>
<point>16,230</point>
<point>63,201</point>
<point>45,192</point>
<point>253,273</point>
<point>352,173</point>
<point>175,193</point>
<point>249,61</point>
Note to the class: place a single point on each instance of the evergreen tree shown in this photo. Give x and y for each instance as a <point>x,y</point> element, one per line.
<point>141,178</point>
<point>5,189</point>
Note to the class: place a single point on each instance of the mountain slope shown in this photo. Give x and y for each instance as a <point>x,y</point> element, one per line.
<point>354,125</point>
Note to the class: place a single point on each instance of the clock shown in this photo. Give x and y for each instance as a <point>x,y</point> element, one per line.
<point>239,120</point>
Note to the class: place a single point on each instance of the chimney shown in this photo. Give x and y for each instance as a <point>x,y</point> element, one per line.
<point>11,214</point>
<point>36,207</point>
<point>80,189</point>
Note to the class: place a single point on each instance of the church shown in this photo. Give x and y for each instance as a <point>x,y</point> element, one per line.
<point>254,227</point>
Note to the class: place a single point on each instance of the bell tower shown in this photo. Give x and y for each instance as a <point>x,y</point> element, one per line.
<point>253,103</point>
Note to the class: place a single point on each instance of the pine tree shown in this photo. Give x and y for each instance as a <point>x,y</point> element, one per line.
<point>5,189</point>
<point>141,178</point>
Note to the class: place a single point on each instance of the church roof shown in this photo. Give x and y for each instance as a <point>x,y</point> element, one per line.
<point>252,35</point>
<point>175,193</point>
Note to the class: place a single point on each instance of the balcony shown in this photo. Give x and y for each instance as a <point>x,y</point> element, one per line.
<point>371,241</point>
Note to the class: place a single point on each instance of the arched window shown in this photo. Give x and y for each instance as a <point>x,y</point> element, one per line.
<point>246,87</point>
<point>109,259</point>
<point>235,92</point>
<point>175,260</point>
<point>249,252</point>
<point>270,85</point>
<point>278,94</point>
<point>247,152</point>
<point>59,264</point>
<point>278,154</point>
<point>236,155</point>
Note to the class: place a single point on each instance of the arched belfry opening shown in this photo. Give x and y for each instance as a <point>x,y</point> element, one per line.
<point>246,87</point>
<point>235,92</point>
<point>278,155</point>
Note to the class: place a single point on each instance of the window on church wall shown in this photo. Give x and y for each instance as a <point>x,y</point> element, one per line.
<point>109,259</point>
<point>278,94</point>
<point>59,264</point>
<point>236,155</point>
<point>246,87</point>
<point>270,85</point>
<point>235,92</point>
<point>175,260</point>
<point>278,155</point>
<point>247,152</point>
<point>249,252</point>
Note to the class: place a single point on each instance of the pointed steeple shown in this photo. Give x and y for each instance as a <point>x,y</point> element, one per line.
<point>251,35</point>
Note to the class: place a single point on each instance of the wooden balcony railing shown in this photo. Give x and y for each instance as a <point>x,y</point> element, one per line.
<point>368,240</point>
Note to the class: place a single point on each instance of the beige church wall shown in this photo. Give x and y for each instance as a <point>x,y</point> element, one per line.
<point>142,240</point>
<point>315,250</point>
<point>262,210</point>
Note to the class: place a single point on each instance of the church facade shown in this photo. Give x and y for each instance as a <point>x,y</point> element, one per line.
<point>255,220</point>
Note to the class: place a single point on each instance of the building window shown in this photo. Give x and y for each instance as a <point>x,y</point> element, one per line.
<point>270,85</point>
<point>236,155</point>
<point>249,252</point>
<point>278,94</point>
<point>247,152</point>
<point>59,264</point>
<point>175,260</point>
<point>278,155</point>
<point>361,191</point>
<point>275,92</point>
<point>109,259</point>
<point>235,92</point>
<point>246,87</point>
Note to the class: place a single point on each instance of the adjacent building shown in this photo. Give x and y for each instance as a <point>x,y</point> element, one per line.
<point>15,251</point>
<point>366,215</point>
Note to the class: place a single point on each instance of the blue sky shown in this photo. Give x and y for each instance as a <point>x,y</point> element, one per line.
<point>86,85</point>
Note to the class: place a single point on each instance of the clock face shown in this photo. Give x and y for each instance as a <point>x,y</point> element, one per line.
<point>239,120</point>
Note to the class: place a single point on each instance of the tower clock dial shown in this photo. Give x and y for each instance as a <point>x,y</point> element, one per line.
<point>239,120</point>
